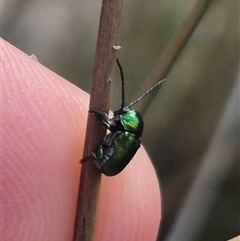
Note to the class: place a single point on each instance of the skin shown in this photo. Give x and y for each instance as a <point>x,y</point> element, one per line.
<point>42,135</point>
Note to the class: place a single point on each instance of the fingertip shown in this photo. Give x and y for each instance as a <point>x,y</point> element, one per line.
<point>44,120</point>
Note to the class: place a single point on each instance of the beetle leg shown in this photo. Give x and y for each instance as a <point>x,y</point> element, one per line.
<point>106,150</point>
<point>109,139</point>
<point>85,158</point>
<point>98,162</point>
<point>102,117</point>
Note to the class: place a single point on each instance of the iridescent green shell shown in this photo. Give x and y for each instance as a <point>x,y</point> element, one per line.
<point>116,152</point>
<point>132,122</point>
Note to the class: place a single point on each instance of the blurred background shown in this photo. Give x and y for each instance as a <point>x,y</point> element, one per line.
<point>192,126</point>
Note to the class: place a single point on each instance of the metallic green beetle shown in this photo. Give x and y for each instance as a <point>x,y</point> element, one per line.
<point>126,127</point>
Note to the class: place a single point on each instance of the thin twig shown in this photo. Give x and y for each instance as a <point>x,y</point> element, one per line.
<point>103,71</point>
<point>173,50</point>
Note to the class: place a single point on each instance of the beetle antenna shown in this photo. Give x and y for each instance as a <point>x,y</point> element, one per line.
<point>146,93</point>
<point>122,80</point>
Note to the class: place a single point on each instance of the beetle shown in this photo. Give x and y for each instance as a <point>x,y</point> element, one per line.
<point>126,127</point>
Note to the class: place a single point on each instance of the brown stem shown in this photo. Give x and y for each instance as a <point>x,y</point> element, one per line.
<point>103,71</point>
<point>173,50</point>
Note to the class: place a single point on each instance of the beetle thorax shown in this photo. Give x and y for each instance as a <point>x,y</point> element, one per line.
<point>132,122</point>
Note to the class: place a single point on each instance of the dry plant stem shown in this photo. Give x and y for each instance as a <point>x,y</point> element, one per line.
<point>173,49</point>
<point>108,35</point>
